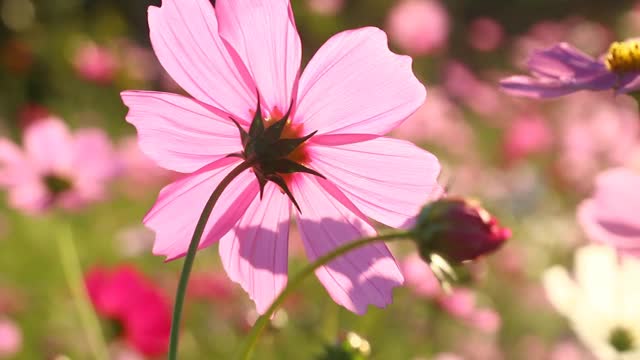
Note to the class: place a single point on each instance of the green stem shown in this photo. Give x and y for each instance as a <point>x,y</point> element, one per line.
<point>73,275</point>
<point>191,254</point>
<point>263,320</point>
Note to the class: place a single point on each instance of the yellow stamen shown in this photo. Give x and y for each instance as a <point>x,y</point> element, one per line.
<point>624,56</point>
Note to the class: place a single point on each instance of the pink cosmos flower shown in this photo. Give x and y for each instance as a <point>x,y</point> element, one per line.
<point>56,167</point>
<point>596,133</point>
<point>315,142</point>
<point>610,216</point>
<point>95,63</point>
<point>419,27</point>
<point>563,69</point>
<point>137,308</point>
<point>527,135</point>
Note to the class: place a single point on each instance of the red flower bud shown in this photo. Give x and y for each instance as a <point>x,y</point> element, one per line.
<point>458,230</point>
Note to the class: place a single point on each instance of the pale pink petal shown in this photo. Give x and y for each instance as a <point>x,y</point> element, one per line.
<point>185,38</point>
<point>94,155</point>
<point>389,180</point>
<point>31,197</point>
<point>611,215</point>
<point>359,278</point>
<point>419,277</point>
<point>176,212</point>
<point>49,145</point>
<point>355,85</point>
<point>179,133</point>
<point>254,253</point>
<point>264,35</point>
<point>622,236</point>
<point>13,164</point>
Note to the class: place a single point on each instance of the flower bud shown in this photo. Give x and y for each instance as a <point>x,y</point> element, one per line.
<point>457,230</point>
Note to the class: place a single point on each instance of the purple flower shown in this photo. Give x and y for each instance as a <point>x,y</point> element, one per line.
<point>563,69</point>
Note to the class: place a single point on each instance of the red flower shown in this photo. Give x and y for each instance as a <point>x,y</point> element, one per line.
<point>137,307</point>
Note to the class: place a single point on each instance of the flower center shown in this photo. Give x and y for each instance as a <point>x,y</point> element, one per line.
<point>624,56</point>
<point>621,339</point>
<point>274,149</point>
<point>56,184</point>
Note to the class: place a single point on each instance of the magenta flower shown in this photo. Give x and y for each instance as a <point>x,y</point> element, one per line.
<point>315,141</point>
<point>138,310</point>
<point>563,69</point>
<point>611,216</point>
<point>95,63</point>
<point>56,168</point>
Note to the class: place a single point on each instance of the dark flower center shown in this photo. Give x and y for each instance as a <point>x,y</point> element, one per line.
<point>621,339</point>
<point>56,184</point>
<point>273,150</point>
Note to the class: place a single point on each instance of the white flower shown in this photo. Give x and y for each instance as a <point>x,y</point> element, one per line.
<point>602,303</point>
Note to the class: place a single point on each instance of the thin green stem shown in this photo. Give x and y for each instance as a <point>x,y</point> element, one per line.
<point>247,349</point>
<point>191,254</point>
<point>73,275</point>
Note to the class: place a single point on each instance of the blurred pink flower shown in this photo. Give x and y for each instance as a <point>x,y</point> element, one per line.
<point>418,27</point>
<point>485,34</point>
<point>439,122</point>
<point>138,307</point>
<point>138,170</point>
<point>486,320</point>
<point>419,278</point>
<point>611,215</point>
<point>214,287</point>
<point>527,135</point>
<point>326,7</point>
<point>460,303</point>
<point>95,63</point>
<point>366,175</point>
<point>482,97</point>
<point>596,132</point>
<point>56,167</point>
<point>569,350</point>
<point>10,339</point>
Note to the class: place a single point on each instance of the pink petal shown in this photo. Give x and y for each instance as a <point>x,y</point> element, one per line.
<point>359,278</point>
<point>13,165</point>
<point>356,85</point>
<point>31,197</point>
<point>184,35</point>
<point>94,155</point>
<point>265,37</point>
<point>48,143</point>
<point>389,180</point>
<point>179,205</point>
<point>254,254</point>
<point>179,133</point>
<point>611,215</point>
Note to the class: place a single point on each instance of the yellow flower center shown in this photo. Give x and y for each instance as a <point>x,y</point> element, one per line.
<point>624,56</point>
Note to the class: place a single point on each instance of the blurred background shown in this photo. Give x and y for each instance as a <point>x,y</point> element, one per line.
<point>529,162</point>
